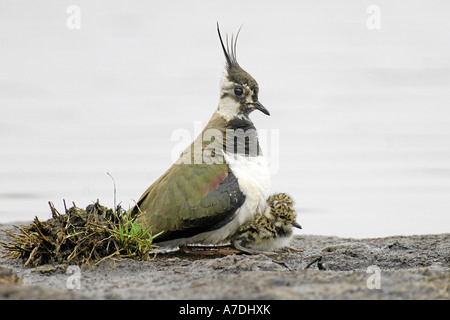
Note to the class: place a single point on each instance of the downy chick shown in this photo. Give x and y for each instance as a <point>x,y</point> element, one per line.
<point>271,230</point>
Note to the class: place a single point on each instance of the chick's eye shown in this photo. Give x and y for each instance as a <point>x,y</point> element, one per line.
<point>238,91</point>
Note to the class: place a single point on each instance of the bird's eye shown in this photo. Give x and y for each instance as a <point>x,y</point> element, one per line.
<point>238,91</point>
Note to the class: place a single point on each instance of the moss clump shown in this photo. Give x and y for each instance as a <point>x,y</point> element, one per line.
<point>80,236</point>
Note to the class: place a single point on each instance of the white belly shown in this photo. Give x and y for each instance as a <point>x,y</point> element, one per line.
<point>253,176</point>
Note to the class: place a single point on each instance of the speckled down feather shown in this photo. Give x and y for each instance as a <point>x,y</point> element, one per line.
<point>269,231</point>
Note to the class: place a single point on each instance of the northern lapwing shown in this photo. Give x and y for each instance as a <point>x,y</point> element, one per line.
<point>222,179</point>
<point>270,231</point>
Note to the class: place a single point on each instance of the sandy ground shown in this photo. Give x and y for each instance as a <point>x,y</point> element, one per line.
<point>407,267</point>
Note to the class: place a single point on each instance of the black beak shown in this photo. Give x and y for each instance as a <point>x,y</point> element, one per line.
<point>295,224</point>
<point>260,107</point>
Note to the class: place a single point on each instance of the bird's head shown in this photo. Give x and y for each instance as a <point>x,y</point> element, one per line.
<point>281,211</point>
<point>238,89</point>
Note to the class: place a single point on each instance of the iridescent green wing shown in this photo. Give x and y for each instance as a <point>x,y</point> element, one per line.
<point>190,199</point>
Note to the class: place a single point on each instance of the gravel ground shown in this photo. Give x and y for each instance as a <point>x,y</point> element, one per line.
<point>321,267</point>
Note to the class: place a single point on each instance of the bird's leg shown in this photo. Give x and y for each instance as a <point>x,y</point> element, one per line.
<point>237,245</point>
<point>292,249</point>
<point>209,250</point>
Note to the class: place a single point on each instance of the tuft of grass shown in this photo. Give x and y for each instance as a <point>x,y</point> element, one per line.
<point>134,238</point>
<point>80,236</point>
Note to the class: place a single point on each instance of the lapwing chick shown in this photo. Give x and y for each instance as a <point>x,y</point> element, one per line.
<point>222,179</point>
<point>269,231</point>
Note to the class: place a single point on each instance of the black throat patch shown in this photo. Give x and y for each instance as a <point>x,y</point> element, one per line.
<point>241,138</point>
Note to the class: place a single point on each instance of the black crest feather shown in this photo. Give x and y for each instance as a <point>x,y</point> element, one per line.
<point>230,49</point>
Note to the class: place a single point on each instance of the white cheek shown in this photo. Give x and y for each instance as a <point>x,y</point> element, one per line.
<point>228,108</point>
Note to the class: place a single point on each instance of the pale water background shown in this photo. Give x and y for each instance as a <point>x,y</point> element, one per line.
<point>363,116</point>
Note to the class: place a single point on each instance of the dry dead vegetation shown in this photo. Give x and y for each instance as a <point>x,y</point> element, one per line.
<point>80,236</point>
